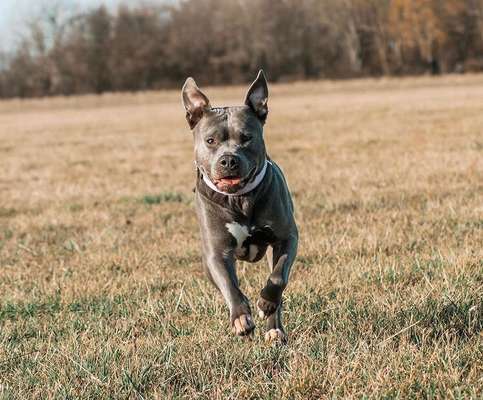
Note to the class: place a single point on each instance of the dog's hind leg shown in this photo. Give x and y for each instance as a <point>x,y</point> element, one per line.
<point>274,328</point>
<point>283,258</point>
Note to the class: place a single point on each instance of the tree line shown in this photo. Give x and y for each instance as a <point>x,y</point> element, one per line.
<point>222,42</point>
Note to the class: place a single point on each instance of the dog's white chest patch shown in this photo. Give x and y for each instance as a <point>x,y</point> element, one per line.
<point>248,251</point>
<point>239,232</point>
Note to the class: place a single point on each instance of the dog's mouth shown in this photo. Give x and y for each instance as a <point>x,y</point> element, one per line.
<point>233,182</point>
<point>228,181</point>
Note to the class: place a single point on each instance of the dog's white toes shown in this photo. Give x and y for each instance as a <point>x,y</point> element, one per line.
<point>243,325</point>
<point>275,336</point>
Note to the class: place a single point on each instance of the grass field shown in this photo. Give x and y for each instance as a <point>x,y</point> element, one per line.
<point>102,293</point>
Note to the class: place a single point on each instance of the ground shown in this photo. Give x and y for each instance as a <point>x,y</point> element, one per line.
<point>102,293</point>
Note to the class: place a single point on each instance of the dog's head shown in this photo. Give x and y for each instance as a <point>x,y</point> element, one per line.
<point>229,146</point>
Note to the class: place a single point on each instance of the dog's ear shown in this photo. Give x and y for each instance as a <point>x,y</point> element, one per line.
<point>194,101</point>
<point>257,96</point>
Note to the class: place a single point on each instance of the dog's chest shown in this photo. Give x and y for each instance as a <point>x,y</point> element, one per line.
<point>250,242</point>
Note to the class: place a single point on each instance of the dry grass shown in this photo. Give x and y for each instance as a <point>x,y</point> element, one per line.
<point>101,290</point>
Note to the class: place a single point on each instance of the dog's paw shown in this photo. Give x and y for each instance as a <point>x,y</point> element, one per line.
<point>243,325</point>
<point>275,336</point>
<point>266,307</point>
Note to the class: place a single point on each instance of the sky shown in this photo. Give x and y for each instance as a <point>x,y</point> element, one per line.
<point>15,13</point>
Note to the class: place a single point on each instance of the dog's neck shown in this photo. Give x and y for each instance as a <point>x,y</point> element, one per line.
<point>253,184</point>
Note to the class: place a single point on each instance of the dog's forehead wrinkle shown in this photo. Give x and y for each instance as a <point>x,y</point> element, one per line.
<point>225,112</point>
<point>219,113</point>
<point>219,110</point>
<point>235,119</point>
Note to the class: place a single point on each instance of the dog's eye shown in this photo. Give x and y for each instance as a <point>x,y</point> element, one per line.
<point>245,138</point>
<point>210,140</point>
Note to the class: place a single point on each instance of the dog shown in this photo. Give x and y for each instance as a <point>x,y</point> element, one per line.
<point>243,203</point>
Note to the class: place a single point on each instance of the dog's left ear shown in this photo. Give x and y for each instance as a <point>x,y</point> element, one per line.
<point>257,96</point>
<point>194,101</point>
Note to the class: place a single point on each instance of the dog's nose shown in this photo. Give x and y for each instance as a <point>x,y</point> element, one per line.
<point>229,162</point>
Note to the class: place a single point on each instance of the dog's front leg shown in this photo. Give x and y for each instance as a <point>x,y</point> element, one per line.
<point>280,258</point>
<point>222,271</point>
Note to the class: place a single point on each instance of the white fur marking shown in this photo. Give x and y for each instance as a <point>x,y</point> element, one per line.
<point>239,232</point>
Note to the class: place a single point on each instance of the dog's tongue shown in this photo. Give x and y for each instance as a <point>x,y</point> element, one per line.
<point>230,181</point>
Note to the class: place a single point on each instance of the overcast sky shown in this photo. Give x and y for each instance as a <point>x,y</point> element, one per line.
<point>14,14</point>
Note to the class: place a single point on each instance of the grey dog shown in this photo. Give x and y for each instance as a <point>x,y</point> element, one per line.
<point>243,203</point>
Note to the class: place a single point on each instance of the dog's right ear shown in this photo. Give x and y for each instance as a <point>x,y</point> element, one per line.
<point>194,101</point>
